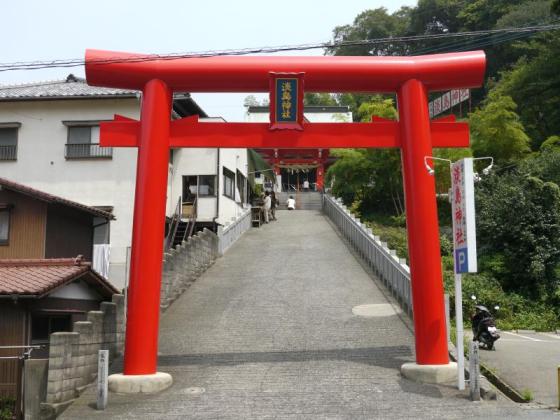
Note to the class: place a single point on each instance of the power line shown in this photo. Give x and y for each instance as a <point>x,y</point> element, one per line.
<point>66,63</point>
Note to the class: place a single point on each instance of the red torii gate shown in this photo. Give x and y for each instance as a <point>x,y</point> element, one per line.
<point>410,77</point>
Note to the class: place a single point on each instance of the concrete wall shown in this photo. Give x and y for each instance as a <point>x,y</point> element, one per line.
<point>185,263</point>
<point>73,355</point>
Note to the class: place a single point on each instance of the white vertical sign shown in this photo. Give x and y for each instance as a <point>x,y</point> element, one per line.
<point>102,372</point>
<point>463,214</point>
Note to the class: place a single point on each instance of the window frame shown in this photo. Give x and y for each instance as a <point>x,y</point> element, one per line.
<point>230,175</point>
<point>94,151</point>
<point>198,185</point>
<point>6,208</point>
<point>16,126</point>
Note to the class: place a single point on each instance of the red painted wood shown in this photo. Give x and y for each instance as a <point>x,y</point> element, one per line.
<point>251,73</point>
<point>187,132</point>
<point>142,323</point>
<point>422,227</point>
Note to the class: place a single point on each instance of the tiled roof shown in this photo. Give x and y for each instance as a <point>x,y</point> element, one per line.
<point>49,198</point>
<point>36,278</point>
<point>71,87</point>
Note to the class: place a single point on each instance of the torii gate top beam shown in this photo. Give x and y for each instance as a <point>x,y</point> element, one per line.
<point>251,73</point>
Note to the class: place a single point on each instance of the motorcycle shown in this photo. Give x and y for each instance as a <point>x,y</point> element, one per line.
<point>484,326</point>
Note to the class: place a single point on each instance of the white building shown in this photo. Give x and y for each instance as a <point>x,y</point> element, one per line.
<point>49,135</point>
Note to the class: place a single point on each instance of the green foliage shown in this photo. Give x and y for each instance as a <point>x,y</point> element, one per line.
<point>325,99</point>
<point>497,131</point>
<point>527,394</point>
<point>534,84</point>
<point>372,24</point>
<point>550,143</point>
<point>7,407</point>
<point>395,236</point>
<point>555,7</point>
<point>372,176</point>
<point>518,228</point>
<point>377,106</point>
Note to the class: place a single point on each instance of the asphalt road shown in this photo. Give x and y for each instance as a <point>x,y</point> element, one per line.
<point>527,361</point>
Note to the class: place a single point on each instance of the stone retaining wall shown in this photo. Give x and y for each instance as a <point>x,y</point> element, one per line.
<point>183,264</point>
<point>73,355</point>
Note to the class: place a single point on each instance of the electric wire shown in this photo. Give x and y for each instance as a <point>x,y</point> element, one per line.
<point>65,63</point>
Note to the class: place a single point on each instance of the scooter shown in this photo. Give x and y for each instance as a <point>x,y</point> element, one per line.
<point>484,326</point>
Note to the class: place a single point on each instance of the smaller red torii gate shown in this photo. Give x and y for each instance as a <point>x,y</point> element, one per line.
<point>410,77</point>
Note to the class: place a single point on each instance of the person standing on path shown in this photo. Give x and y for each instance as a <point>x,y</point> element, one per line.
<point>273,205</point>
<point>266,206</point>
<point>306,185</point>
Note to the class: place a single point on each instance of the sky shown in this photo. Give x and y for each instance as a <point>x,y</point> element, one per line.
<point>60,29</point>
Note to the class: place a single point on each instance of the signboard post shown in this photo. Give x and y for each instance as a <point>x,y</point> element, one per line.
<point>102,372</point>
<point>464,244</point>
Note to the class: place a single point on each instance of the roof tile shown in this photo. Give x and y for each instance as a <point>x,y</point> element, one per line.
<point>38,277</point>
<point>71,87</point>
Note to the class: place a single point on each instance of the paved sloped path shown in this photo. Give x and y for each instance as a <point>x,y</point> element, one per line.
<point>268,332</point>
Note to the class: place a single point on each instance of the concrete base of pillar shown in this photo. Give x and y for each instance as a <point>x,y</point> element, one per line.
<point>432,374</point>
<point>139,384</point>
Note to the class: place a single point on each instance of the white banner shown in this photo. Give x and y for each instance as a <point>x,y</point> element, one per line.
<point>463,213</point>
<point>447,101</point>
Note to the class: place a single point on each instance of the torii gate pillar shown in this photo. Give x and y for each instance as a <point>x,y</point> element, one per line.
<point>423,232</point>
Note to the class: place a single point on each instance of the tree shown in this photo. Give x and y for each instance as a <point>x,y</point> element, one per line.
<point>555,7</point>
<point>325,99</point>
<point>534,84</point>
<point>518,231</point>
<point>496,130</point>
<point>250,100</point>
<point>372,24</point>
<point>371,176</point>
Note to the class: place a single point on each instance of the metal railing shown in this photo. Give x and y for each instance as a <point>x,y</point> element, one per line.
<point>87,150</point>
<point>391,269</point>
<point>8,152</point>
<point>175,219</point>
<point>230,233</point>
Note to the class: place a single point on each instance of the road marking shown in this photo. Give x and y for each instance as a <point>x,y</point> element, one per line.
<point>523,336</point>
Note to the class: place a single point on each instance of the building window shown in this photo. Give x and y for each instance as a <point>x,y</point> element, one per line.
<point>229,183</point>
<point>4,224</point>
<point>241,186</point>
<point>8,140</point>
<point>83,141</point>
<point>198,185</point>
<point>43,325</point>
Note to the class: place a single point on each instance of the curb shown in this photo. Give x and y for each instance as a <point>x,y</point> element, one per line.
<point>487,391</point>
<point>499,383</point>
<point>526,331</point>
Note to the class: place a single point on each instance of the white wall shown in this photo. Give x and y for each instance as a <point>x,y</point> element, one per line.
<point>204,162</point>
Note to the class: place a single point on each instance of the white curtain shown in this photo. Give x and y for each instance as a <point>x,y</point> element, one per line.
<point>101,255</point>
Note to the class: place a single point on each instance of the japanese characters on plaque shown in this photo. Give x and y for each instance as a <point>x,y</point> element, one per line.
<point>463,214</point>
<point>286,101</point>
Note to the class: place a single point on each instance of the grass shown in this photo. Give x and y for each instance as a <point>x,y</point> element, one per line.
<point>527,394</point>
